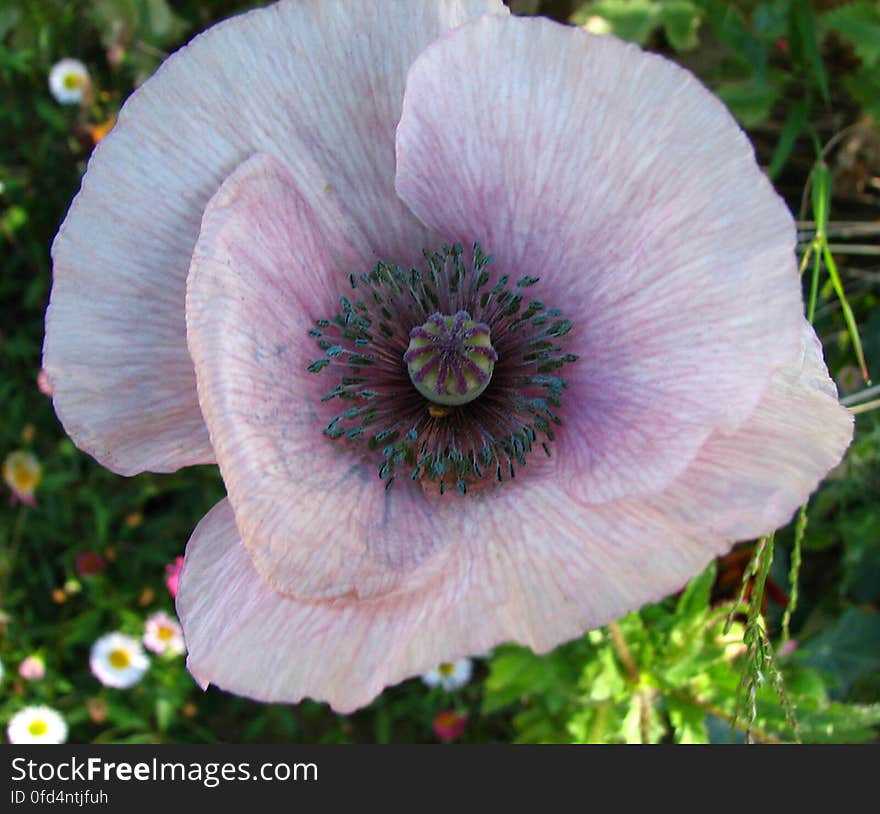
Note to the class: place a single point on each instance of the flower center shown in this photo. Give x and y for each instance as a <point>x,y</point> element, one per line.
<point>447,374</point>
<point>446,669</point>
<point>119,659</point>
<point>72,81</point>
<point>450,359</point>
<point>165,633</point>
<point>38,728</point>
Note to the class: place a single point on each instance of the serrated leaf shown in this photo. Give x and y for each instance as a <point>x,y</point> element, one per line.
<point>688,721</point>
<point>602,679</point>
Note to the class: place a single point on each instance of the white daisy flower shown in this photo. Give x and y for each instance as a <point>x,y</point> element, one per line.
<point>118,660</point>
<point>69,81</point>
<point>450,676</point>
<point>163,634</point>
<point>37,725</point>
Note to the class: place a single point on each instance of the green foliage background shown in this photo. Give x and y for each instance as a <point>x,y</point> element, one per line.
<point>703,666</point>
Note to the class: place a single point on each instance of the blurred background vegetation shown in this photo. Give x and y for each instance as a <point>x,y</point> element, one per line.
<point>778,641</point>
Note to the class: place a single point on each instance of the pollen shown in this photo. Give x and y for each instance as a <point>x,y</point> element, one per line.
<point>38,727</point>
<point>119,658</point>
<point>446,374</point>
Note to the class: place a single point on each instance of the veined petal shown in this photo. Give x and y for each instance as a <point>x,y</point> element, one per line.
<point>316,83</point>
<point>746,483</point>
<point>529,565</point>
<point>628,188</point>
<point>317,520</point>
<point>524,585</point>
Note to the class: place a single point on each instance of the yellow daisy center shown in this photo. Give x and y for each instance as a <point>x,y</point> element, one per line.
<point>22,471</point>
<point>38,728</point>
<point>446,669</point>
<point>165,633</point>
<point>119,659</point>
<point>25,479</point>
<point>72,81</point>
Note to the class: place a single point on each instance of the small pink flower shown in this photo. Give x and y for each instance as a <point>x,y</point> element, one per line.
<point>449,725</point>
<point>33,668</point>
<point>89,563</point>
<point>428,451</point>
<point>788,647</point>
<point>43,383</point>
<point>172,575</point>
<point>162,634</point>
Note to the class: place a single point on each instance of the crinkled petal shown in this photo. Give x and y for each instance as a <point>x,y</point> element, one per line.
<point>747,483</point>
<point>628,188</point>
<point>315,518</point>
<point>530,565</point>
<point>548,575</point>
<point>316,83</point>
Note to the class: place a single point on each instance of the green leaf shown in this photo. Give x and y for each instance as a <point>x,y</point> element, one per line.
<point>631,20</point>
<point>795,122</point>
<point>162,22</point>
<point>164,713</point>
<point>642,724</point>
<point>848,650</point>
<point>859,23</point>
<point>804,30</point>
<point>864,87</point>
<point>516,672</point>
<point>821,196</point>
<point>688,721</point>
<point>9,18</point>
<point>730,28</point>
<point>750,102</point>
<point>681,22</point>
<point>602,679</point>
<point>839,723</point>
<point>695,599</point>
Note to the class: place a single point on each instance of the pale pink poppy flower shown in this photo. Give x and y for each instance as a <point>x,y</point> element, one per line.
<point>635,354</point>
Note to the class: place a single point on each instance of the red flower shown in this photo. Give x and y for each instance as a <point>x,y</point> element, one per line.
<point>449,725</point>
<point>89,563</point>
